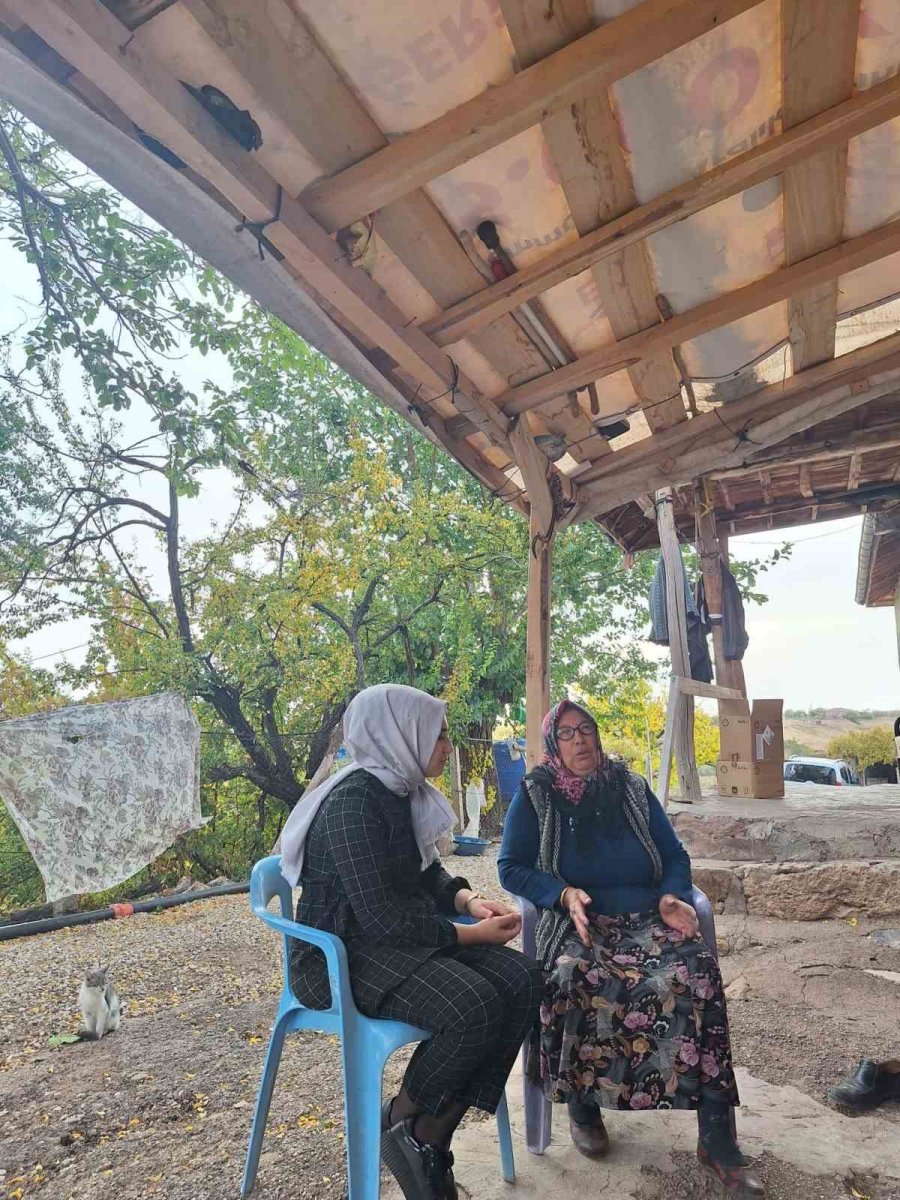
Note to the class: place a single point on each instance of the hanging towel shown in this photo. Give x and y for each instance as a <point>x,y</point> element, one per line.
<point>100,790</point>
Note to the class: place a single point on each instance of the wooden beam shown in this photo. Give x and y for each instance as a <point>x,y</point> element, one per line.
<point>267,49</point>
<point>535,468</point>
<point>585,144</point>
<point>831,128</point>
<point>805,482</point>
<point>714,314</point>
<point>537,649</point>
<point>676,613</point>
<point>765,483</point>
<point>95,42</point>
<point>854,472</point>
<point>174,201</point>
<point>818,55</point>
<point>709,691</point>
<point>711,443</point>
<point>737,667</point>
<point>649,31</point>
<point>711,568</point>
<point>881,434</point>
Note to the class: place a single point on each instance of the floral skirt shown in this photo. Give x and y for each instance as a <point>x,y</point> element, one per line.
<point>637,1021</point>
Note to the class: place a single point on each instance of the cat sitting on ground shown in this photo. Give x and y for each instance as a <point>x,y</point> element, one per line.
<point>101,1009</point>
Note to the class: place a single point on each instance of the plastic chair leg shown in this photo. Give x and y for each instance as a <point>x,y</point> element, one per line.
<point>504,1134</point>
<point>263,1100</point>
<point>538,1118</point>
<point>362,1116</point>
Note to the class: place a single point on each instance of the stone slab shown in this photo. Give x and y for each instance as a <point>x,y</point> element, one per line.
<point>783,1121</point>
<point>812,823</point>
<point>802,891</point>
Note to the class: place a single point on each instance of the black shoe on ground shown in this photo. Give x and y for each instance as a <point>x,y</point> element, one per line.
<point>422,1172</point>
<point>870,1085</point>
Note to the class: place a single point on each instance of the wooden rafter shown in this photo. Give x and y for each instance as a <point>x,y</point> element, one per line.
<point>833,127</point>
<point>805,482</point>
<point>647,32</point>
<point>584,141</point>
<point>273,53</point>
<point>714,314</point>
<point>854,471</point>
<point>717,440</point>
<point>99,45</point>
<point>176,202</point>
<point>818,55</point>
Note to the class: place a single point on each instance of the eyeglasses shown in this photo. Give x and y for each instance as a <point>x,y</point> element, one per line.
<point>567,732</point>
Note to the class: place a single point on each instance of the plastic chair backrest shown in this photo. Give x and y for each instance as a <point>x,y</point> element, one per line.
<point>266,882</point>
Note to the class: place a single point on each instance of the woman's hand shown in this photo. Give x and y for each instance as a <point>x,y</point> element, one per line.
<point>575,902</point>
<point>481,908</point>
<point>679,916</point>
<point>490,931</point>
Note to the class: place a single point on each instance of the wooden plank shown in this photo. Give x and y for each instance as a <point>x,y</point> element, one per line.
<point>854,472</point>
<point>805,482</point>
<point>587,66</point>
<point>175,201</point>
<point>706,444</point>
<point>818,55</point>
<point>537,645</point>
<point>676,612</point>
<point>101,47</point>
<point>833,127</point>
<point>737,667</point>
<point>534,467</point>
<point>711,567</point>
<point>584,141</point>
<point>709,691</point>
<point>664,776</point>
<point>882,433</point>
<point>765,483</point>
<point>714,314</point>
<point>269,46</point>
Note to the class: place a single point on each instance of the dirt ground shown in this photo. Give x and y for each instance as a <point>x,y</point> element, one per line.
<point>163,1107</point>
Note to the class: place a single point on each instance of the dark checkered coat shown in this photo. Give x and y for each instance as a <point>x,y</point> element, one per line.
<point>363,880</point>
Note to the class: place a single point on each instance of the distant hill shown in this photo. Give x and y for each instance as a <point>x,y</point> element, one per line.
<point>811,733</point>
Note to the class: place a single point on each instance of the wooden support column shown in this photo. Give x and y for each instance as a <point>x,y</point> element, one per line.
<point>737,667</point>
<point>680,713</point>
<point>710,564</point>
<point>537,651</point>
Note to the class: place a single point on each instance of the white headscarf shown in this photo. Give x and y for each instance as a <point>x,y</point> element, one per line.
<point>391,731</point>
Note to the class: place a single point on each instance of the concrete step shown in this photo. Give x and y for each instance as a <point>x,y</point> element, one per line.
<point>802,891</point>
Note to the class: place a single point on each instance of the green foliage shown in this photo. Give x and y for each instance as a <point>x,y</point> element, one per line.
<point>792,746</point>
<point>867,747</point>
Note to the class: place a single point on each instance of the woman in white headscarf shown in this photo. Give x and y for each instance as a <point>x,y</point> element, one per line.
<point>363,848</point>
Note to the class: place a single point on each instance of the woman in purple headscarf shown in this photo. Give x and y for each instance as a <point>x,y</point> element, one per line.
<point>634,1012</point>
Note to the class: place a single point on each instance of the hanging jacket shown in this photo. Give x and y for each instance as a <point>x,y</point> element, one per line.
<point>698,648</point>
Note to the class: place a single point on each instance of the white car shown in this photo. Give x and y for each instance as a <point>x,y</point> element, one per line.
<point>833,771</point>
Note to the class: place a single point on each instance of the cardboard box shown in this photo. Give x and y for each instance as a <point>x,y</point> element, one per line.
<point>759,781</point>
<point>735,731</point>
<point>734,778</point>
<point>768,732</point>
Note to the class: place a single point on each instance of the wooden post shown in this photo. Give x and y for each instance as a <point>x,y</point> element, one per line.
<point>537,652</point>
<point>681,707</point>
<point>708,550</point>
<point>737,668</point>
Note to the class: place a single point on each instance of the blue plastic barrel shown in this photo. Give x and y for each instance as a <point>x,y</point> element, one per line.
<point>509,770</point>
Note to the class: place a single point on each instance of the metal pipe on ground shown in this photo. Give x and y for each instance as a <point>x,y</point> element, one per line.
<point>114,911</point>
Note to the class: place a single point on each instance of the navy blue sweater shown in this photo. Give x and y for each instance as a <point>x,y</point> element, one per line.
<point>614,871</point>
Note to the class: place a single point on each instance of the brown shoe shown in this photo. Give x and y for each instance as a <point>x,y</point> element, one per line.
<point>738,1181</point>
<point>590,1140</point>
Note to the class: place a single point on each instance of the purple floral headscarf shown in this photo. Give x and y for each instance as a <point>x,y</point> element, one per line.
<point>572,787</point>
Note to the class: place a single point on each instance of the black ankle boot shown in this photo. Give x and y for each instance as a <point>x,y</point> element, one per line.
<point>720,1155</point>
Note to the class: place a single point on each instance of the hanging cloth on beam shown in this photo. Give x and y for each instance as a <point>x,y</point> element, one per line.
<point>698,648</point>
<point>100,790</point>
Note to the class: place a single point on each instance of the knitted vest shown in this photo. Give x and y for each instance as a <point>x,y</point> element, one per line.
<point>554,926</point>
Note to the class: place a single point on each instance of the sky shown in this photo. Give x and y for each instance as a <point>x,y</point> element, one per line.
<point>810,644</point>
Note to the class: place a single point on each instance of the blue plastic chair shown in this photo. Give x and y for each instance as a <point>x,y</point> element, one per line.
<point>366,1045</point>
<point>538,1109</point>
